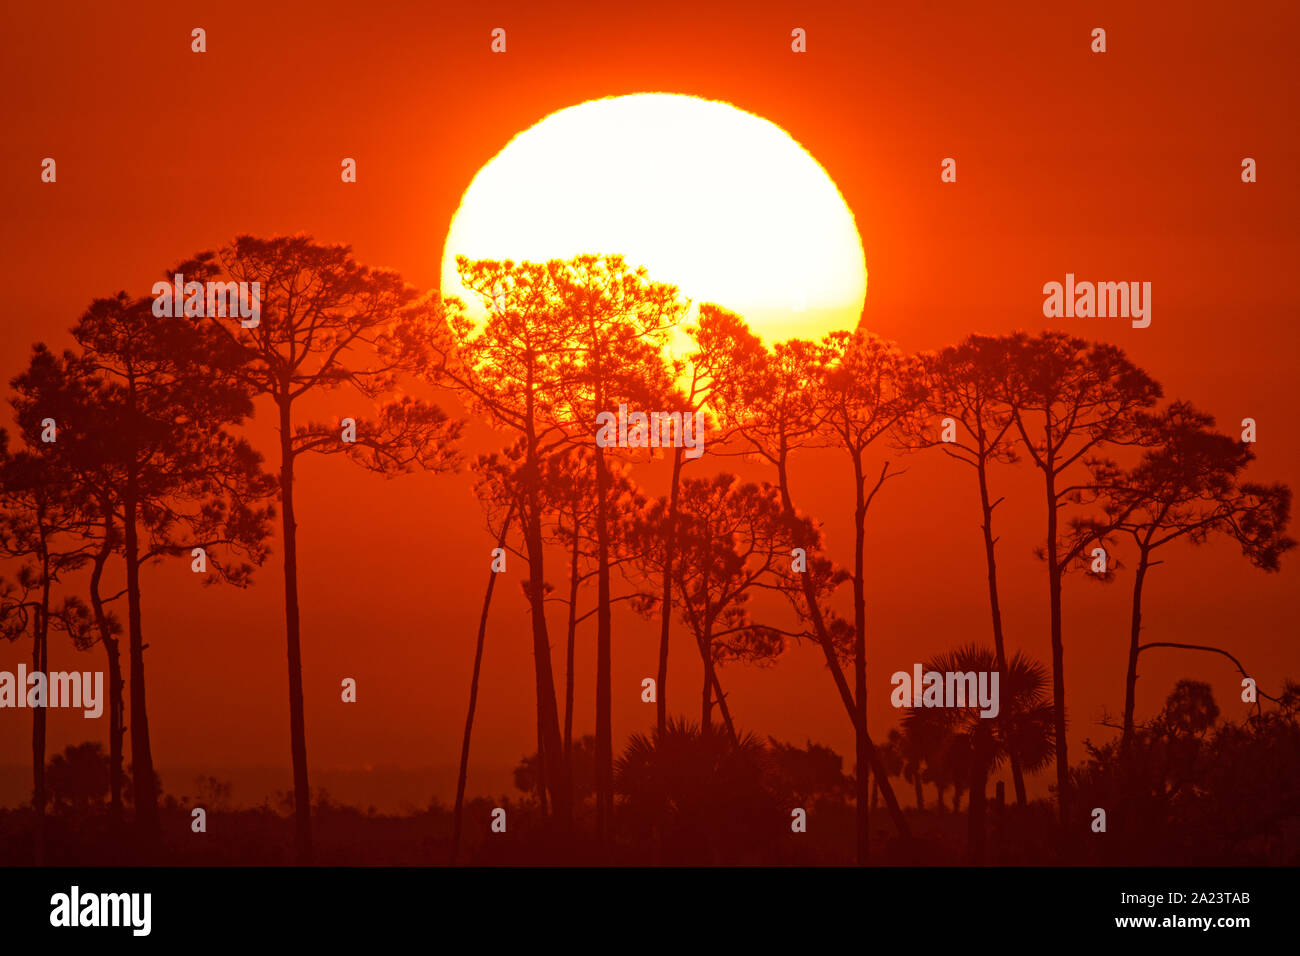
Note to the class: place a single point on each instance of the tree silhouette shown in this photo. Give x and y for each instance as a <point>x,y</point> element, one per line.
<point>767,400</point>
<point>979,744</point>
<point>510,371</point>
<point>326,321</point>
<point>569,483</point>
<point>78,777</point>
<point>965,383</point>
<point>68,389</point>
<point>497,489</point>
<point>696,797</point>
<point>1195,789</point>
<point>108,627</point>
<point>618,321</point>
<point>868,391</point>
<point>463,772</point>
<point>563,341</point>
<point>1186,487</point>
<point>693,398</point>
<point>38,526</point>
<point>731,538</point>
<point>567,500</point>
<point>570,506</point>
<point>147,405</point>
<point>807,773</point>
<point>1069,399</point>
<point>189,483</point>
<point>582,755</point>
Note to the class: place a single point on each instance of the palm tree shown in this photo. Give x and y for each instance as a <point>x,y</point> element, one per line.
<point>698,797</point>
<point>917,753</point>
<point>978,745</point>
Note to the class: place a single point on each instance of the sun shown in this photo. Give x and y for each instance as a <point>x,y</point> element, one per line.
<point>722,203</point>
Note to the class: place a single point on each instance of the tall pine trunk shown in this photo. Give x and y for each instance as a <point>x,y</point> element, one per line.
<point>113,653</point>
<point>539,786</point>
<point>706,699</point>
<point>712,685</point>
<point>670,554</point>
<point>999,644</point>
<point>1058,661</point>
<point>561,781</point>
<point>459,811</point>
<point>860,664</point>
<point>604,665</point>
<point>705,644</point>
<point>116,730</point>
<point>40,664</point>
<point>570,642</point>
<point>833,664</point>
<point>297,716</point>
<point>1135,633</point>
<point>143,781</point>
<point>723,709</point>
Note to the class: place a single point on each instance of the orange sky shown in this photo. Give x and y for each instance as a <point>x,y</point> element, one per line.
<point>1116,166</point>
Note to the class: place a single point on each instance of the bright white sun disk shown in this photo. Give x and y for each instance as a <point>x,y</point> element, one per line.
<point>721,203</point>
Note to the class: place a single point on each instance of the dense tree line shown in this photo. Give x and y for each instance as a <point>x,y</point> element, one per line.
<point>127,449</point>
